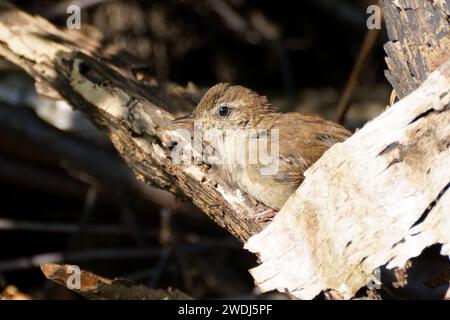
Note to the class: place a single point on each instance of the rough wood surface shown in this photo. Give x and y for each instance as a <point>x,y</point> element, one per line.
<point>96,287</point>
<point>382,196</point>
<point>135,116</point>
<point>419,33</point>
<point>378,198</point>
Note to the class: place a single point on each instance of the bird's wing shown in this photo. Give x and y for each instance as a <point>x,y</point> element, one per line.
<point>302,141</point>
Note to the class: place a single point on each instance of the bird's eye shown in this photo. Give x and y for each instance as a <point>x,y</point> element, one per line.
<point>224,111</point>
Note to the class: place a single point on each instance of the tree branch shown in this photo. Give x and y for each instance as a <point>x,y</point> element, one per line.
<point>133,115</point>
<point>383,195</point>
<point>93,286</point>
<point>378,198</point>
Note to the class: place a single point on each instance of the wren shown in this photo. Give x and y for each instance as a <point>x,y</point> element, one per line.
<point>301,138</point>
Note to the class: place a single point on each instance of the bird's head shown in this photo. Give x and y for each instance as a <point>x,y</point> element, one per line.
<point>228,107</point>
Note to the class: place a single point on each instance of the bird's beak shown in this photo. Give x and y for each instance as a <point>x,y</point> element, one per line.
<point>184,119</point>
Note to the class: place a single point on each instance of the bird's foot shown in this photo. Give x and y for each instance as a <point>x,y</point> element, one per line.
<point>265,216</point>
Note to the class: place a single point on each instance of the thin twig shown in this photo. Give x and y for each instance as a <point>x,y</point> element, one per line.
<point>79,256</point>
<point>60,227</point>
<point>352,83</point>
<point>107,254</point>
<point>129,218</point>
<point>90,201</point>
<point>159,268</point>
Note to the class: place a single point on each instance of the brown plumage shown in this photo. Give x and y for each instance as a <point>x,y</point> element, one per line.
<point>302,140</point>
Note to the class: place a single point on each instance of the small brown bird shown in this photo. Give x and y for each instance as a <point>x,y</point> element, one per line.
<point>302,139</point>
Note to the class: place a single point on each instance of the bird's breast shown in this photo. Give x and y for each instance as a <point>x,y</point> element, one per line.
<point>242,165</point>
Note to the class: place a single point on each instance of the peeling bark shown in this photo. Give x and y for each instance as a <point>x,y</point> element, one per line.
<point>382,196</point>
<point>379,198</point>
